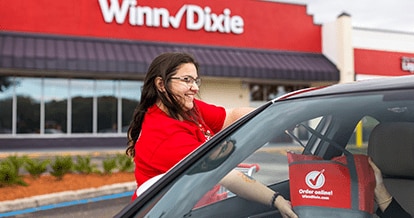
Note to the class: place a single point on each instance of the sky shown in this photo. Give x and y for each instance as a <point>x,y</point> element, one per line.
<point>392,15</point>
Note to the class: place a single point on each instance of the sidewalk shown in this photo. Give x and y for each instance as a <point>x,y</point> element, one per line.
<point>66,198</point>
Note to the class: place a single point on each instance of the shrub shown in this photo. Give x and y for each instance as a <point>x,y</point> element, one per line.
<point>36,167</point>
<point>84,165</point>
<point>9,175</point>
<point>108,164</point>
<point>17,162</point>
<point>125,163</point>
<point>61,166</point>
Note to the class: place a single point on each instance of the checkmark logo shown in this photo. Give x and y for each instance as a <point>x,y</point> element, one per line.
<point>175,21</point>
<point>315,179</point>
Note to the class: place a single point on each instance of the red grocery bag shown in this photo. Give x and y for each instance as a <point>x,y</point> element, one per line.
<point>341,187</point>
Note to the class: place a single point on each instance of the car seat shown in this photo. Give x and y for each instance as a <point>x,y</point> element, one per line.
<point>391,146</point>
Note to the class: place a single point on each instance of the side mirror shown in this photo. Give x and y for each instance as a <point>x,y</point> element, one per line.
<point>216,157</point>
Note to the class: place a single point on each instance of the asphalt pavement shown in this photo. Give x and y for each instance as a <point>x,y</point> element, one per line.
<point>63,199</point>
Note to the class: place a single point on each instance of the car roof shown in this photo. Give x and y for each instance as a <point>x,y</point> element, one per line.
<point>378,84</point>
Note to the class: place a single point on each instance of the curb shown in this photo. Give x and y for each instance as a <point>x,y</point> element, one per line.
<point>47,199</point>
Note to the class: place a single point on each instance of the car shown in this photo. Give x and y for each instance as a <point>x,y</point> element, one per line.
<point>374,117</point>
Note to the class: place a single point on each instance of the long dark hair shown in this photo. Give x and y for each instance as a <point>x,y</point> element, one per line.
<point>164,66</point>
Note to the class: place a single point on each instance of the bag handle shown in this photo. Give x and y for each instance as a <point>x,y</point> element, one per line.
<point>326,139</point>
<point>350,162</point>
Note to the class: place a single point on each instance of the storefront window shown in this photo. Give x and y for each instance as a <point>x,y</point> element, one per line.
<point>28,93</point>
<point>130,94</point>
<point>56,100</point>
<point>106,92</point>
<point>81,93</point>
<point>65,106</point>
<point>6,106</point>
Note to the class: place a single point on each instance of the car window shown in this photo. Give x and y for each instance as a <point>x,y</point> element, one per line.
<point>358,143</point>
<point>269,164</point>
<point>271,159</point>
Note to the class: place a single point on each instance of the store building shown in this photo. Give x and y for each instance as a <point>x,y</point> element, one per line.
<point>367,53</point>
<point>71,72</point>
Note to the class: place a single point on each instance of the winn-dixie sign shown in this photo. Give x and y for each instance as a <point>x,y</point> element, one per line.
<point>197,18</point>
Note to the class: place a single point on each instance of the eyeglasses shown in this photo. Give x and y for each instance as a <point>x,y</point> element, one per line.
<point>189,80</point>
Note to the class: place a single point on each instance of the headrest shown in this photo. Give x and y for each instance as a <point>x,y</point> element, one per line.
<point>391,147</point>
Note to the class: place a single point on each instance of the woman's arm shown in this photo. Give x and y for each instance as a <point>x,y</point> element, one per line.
<point>234,114</point>
<point>387,205</point>
<point>248,188</point>
<point>393,209</point>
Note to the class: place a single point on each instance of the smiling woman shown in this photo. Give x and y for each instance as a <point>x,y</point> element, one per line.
<point>169,123</point>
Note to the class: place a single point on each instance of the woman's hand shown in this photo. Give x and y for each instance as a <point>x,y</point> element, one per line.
<point>382,196</point>
<point>377,172</point>
<point>285,207</point>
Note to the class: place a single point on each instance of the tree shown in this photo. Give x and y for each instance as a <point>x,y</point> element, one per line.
<point>5,83</point>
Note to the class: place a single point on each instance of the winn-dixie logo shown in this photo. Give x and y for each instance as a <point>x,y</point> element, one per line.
<point>197,18</point>
<point>315,180</point>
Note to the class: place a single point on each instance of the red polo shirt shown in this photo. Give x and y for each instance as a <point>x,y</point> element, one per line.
<point>164,141</point>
